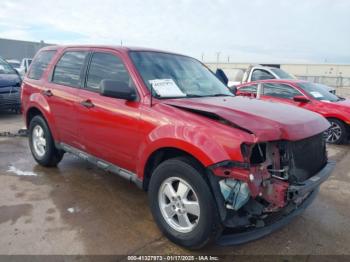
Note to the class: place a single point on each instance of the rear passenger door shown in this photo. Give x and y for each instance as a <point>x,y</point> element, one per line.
<point>66,79</point>
<point>108,127</point>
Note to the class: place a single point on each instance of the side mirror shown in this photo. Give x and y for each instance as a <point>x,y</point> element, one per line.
<point>301,99</point>
<point>117,89</point>
<point>222,76</point>
<point>233,90</point>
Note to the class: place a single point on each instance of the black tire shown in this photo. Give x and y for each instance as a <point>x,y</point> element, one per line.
<point>52,155</point>
<point>208,227</point>
<point>339,125</point>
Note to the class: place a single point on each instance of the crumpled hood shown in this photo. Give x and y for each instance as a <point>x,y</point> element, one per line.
<point>268,121</point>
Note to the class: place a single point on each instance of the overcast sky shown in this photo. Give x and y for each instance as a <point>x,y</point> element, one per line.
<point>245,30</point>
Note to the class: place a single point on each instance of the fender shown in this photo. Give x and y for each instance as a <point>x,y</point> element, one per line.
<point>186,138</point>
<point>38,101</point>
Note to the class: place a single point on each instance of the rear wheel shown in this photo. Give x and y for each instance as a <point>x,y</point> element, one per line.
<point>42,144</point>
<point>337,133</point>
<point>182,204</point>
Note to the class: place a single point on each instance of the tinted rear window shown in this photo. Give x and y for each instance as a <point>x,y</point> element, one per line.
<point>40,64</point>
<point>68,70</point>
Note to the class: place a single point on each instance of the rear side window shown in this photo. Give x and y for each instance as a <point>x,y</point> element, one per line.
<point>106,66</point>
<point>40,64</point>
<point>68,71</point>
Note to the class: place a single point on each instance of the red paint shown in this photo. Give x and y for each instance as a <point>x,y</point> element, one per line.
<point>127,133</point>
<point>275,192</point>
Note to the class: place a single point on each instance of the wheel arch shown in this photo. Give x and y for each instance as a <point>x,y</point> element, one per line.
<point>33,111</point>
<point>162,154</point>
<point>337,117</point>
<point>346,127</point>
<point>341,119</point>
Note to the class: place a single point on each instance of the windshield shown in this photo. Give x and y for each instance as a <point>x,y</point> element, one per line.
<point>318,92</point>
<point>282,74</point>
<point>5,68</point>
<point>172,76</point>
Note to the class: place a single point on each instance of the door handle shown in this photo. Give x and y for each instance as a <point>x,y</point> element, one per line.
<point>47,93</point>
<point>87,103</point>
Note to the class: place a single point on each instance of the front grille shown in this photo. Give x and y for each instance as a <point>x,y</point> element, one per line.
<point>307,157</point>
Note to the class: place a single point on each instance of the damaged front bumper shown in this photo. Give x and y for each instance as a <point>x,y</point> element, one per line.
<point>295,191</point>
<point>299,197</point>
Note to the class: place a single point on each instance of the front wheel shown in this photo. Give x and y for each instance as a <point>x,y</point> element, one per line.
<point>182,204</point>
<point>337,133</point>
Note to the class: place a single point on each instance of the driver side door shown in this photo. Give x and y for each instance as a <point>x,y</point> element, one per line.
<point>108,127</point>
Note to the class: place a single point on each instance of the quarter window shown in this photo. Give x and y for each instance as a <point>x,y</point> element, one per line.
<point>40,64</point>
<point>106,66</point>
<point>68,70</point>
<point>280,90</point>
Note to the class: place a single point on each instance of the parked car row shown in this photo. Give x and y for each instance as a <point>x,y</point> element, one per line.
<point>258,72</point>
<point>11,73</point>
<point>21,67</point>
<point>279,86</point>
<point>10,86</point>
<point>216,167</point>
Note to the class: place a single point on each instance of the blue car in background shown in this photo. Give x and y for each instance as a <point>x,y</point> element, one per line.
<point>10,87</point>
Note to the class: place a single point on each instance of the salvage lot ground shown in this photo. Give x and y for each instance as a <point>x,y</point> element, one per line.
<point>78,209</point>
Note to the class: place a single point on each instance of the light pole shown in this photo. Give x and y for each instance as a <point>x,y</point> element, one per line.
<point>217,58</point>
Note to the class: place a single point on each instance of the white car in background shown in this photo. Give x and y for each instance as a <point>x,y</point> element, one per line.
<point>23,69</point>
<point>14,63</point>
<point>258,72</point>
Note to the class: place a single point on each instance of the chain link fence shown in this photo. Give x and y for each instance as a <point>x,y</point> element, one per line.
<point>328,80</point>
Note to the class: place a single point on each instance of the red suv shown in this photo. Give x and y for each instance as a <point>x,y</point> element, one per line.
<point>216,167</point>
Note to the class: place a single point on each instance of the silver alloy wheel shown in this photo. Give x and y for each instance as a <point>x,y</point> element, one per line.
<point>39,141</point>
<point>179,204</point>
<point>333,133</point>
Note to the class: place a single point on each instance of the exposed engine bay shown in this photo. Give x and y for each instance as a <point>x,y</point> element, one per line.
<point>262,185</point>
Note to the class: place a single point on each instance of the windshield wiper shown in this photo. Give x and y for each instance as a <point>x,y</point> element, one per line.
<point>218,95</point>
<point>193,95</point>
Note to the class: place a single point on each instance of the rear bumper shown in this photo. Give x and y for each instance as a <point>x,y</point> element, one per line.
<point>293,209</point>
<point>10,101</point>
